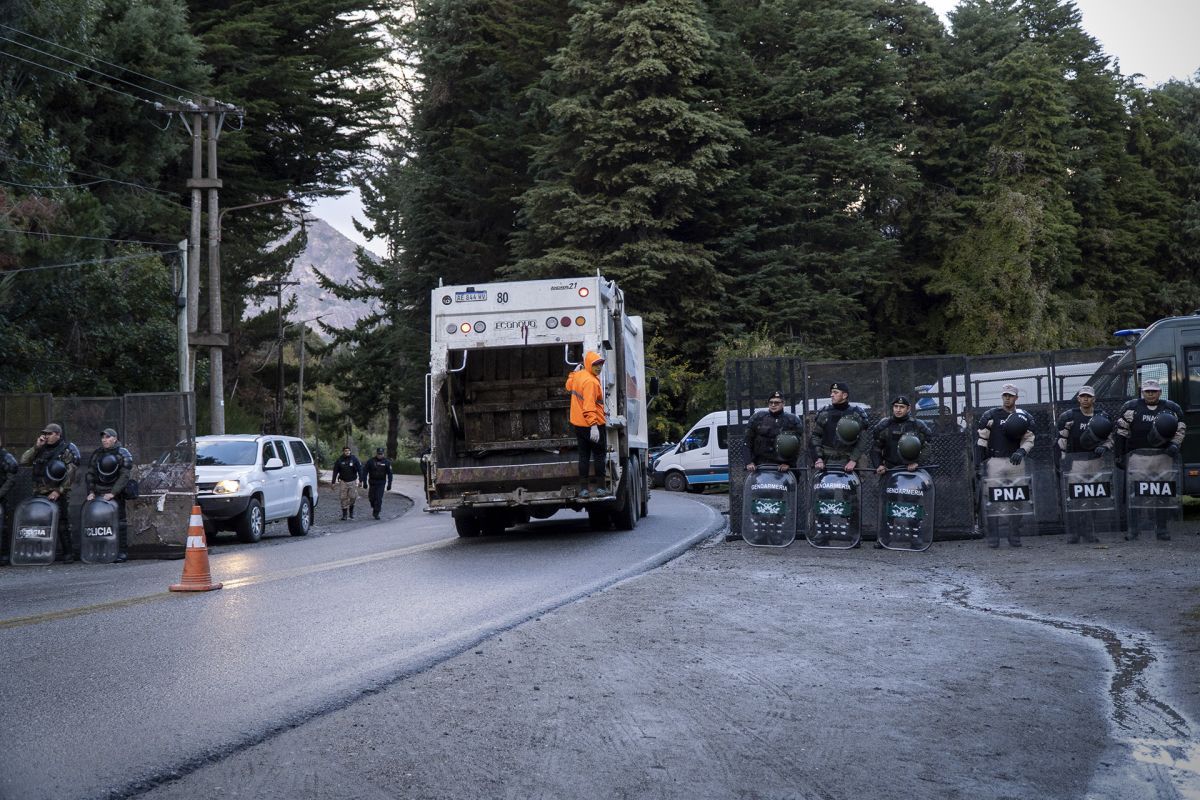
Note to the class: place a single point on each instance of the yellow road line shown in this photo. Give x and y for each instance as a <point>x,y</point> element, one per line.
<point>235,583</point>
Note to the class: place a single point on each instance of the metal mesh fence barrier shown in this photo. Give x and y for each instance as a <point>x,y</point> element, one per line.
<point>950,394</point>
<point>155,428</point>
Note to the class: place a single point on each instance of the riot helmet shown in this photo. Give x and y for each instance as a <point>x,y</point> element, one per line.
<point>108,465</point>
<point>787,445</point>
<point>1098,429</point>
<point>909,447</point>
<point>1163,430</point>
<point>848,429</point>
<point>1014,426</point>
<point>56,470</point>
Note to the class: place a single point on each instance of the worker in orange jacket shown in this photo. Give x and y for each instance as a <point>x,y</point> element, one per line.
<point>587,417</point>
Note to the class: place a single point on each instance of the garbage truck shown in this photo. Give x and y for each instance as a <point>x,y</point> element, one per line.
<point>502,450</point>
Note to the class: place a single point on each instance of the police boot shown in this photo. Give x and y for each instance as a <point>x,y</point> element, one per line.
<point>352,511</point>
<point>344,512</point>
<point>1073,539</point>
<point>1162,536</point>
<point>1014,541</point>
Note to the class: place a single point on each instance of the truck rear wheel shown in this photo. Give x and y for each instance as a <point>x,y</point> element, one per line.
<point>626,516</point>
<point>467,527</point>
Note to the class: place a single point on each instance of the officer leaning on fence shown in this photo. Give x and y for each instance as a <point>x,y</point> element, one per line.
<point>885,438</point>
<point>8,476</point>
<point>108,473</point>
<point>379,477</point>
<point>1004,433</point>
<point>349,470</point>
<point>840,432</point>
<point>53,460</point>
<point>1153,423</point>
<point>764,428</point>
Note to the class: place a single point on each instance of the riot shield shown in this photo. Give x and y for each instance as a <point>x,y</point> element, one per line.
<point>1152,492</point>
<point>769,508</point>
<point>906,510</point>
<point>1006,500</point>
<point>834,514</point>
<point>99,519</point>
<point>1089,499</point>
<point>34,532</point>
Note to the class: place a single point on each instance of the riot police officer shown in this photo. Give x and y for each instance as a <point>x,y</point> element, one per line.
<point>840,432</point>
<point>379,475</point>
<point>109,470</point>
<point>1003,433</point>
<point>1076,433</point>
<point>349,470</point>
<point>764,428</point>
<point>54,461</point>
<point>1140,424</point>
<point>885,437</point>
<point>8,476</point>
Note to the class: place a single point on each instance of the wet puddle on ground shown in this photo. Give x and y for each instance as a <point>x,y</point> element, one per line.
<point>1157,737</point>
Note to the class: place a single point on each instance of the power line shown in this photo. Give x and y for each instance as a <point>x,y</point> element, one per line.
<point>38,186</point>
<point>74,264</point>
<point>88,238</point>
<point>76,77</point>
<point>10,157</point>
<point>85,66</point>
<point>106,63</point>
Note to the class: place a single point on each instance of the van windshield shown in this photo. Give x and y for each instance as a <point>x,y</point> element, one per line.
<point>225,454</point>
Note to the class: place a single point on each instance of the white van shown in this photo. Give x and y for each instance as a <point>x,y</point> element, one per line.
<point>701,458</point>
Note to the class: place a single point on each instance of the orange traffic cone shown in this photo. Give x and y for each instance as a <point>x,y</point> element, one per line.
<point>196,577</point>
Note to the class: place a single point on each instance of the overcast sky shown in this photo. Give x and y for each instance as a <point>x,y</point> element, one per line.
<point>1157,38</point>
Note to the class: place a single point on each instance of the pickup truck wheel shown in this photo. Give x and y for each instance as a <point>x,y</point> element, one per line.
<point>251,523</point>
<point>467,527</point>
<point>675,482</point>
<point>301,524</point>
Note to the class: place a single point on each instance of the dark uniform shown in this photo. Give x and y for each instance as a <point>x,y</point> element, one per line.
<point>824,443</point>
<point>110,476</point>
<point>1071,424</point>
<point>885,439</point>
<point>1135,431</point>
<point>42,461</point>
<point>349,470</point>
<point>379,478</point>
<point>992,443</point>
<point>762,431</point>
<point>8,476</point>
<point>1136,421</point>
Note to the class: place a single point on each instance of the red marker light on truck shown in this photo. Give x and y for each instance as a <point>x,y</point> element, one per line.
<point>566,322</point>
<point>465,327</point>
<point>583,291</point>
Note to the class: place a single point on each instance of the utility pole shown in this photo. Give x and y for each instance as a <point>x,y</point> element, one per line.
<point>182,319</point>
<point>279,283</point>
<point>196,118</point>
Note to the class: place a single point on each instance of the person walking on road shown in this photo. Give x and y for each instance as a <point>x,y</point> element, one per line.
<point>9,467</point>
<point>349,471</point>
<point>108,473</point>
<point>764,429</point>
<point>379,479</point>
<point>840,431</point>
<point>54,461</point>
<point>1004,434</point>
<point>587,417</point>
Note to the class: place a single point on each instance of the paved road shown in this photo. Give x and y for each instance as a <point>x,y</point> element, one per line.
<point>108,682</point>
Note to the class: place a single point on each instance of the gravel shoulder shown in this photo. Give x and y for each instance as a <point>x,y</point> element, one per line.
<point>1055,670</point>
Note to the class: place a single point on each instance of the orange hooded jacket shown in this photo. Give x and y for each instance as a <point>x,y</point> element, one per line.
<point>587,397</point>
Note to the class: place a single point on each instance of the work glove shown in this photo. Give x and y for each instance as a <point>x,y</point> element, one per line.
<point>1172,449</point>
<point>594,434</point>
<point>1017,457</point>
<point>1100,451</point>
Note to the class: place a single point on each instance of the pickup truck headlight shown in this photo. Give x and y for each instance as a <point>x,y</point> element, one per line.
<point>227,487</point>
